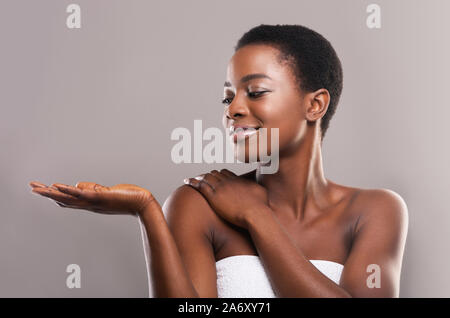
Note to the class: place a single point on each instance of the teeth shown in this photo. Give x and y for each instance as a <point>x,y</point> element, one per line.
<point>243,128</point>
<point>245,132</point>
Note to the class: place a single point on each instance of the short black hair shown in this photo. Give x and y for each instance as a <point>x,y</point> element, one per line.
<point>313,60</point>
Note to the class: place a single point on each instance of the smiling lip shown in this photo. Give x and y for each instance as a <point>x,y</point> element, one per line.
<point>245,132</point>
<point>233,128</point>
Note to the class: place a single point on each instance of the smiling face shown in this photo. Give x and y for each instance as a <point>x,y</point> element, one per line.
<point>262,92</point>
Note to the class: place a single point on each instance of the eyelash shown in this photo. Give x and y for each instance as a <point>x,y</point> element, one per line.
<point>250,94</point>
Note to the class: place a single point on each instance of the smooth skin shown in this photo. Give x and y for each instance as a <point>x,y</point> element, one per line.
<point>286,218</point>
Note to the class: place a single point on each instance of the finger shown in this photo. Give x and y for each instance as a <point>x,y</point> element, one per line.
<point>100,188</point>
<point>85,185</point>
<point>228,173</point>
<point>35,184</point>
<point>194,181</point>
<point>51,192</point>
<point>218,175</point>
<point>55,195</point>
<point>200,184</point>
<point>91,196</point>
<point>61,205</point>
<point>90,190</point>
<point>212,180</point>
<point>205,188</point>
<point>76,207</point>
<point>76,192</point>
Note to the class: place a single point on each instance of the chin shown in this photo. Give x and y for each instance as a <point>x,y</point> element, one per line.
<point>246,155</point>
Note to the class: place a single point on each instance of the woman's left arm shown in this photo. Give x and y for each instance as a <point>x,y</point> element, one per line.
<point>371,270</point>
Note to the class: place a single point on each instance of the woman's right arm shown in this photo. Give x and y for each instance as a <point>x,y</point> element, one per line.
<point>179,253</point>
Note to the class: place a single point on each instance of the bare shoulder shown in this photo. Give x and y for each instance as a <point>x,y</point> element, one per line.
<point>380,200</point>
<point>185,206</point>
<point>383,209</point>
<point>381,206</point>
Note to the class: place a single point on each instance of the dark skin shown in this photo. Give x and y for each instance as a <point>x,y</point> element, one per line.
<point>286,218</point>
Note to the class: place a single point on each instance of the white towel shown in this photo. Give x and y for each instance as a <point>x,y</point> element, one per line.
<point>244,276</point>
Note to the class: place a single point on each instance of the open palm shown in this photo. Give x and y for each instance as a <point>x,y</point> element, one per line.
<point>117,199</point>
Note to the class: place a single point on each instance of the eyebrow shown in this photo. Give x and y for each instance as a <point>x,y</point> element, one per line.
<point>247,78</point>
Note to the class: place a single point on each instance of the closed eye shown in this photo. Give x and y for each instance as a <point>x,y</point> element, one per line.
<point>255,94</point>
<point>228,100</point>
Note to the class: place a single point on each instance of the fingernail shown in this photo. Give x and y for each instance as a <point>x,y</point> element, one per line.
<point>186,181</point>
<point>199,178</point>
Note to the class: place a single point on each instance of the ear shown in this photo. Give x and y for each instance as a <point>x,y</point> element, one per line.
<point>317,104</point>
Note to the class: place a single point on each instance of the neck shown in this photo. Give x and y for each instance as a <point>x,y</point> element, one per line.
<point>299,181</point>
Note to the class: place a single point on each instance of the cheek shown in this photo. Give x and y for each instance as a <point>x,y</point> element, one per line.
<point>287,118</point>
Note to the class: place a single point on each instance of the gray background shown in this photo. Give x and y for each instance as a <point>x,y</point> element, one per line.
<point>99,104</point>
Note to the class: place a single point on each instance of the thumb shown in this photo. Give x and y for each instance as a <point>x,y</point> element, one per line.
<point>92,186</point>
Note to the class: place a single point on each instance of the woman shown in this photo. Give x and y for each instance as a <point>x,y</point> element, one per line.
<point>292,233</point>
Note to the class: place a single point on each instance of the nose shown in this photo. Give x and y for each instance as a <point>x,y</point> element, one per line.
<point>236,109</point>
